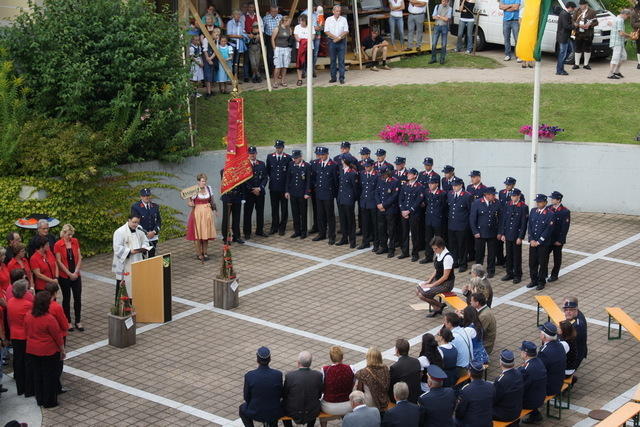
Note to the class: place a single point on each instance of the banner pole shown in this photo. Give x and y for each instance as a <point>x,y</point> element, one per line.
<point>263,47</point>
<point>534,134</point>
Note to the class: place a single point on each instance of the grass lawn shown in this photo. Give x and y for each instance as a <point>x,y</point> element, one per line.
<point>453,60</point>
<point>604,113</point>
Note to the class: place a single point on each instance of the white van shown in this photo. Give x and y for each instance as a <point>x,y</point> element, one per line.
<point>490,24</point>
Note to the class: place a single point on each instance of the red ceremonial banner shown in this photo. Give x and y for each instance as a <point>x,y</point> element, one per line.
<point>237,167</point>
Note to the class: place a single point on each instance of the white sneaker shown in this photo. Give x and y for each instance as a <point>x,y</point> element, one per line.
<point>507,58</point>
<point>518,60</point>
<point>198,95</point>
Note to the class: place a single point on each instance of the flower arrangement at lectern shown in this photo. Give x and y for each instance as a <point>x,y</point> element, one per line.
<point>122,306</point>
<point>404,133</point>
<point>226,270</point>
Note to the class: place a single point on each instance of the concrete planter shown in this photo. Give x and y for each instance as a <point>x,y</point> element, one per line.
<point>122,331</point>
<point>540,139</point>
<point>226,293</point>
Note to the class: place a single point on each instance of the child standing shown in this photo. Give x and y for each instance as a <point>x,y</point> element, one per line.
<point>195,53</point>
<point>226,51</point>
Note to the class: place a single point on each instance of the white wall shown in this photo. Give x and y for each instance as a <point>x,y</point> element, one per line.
<point>593,177</point>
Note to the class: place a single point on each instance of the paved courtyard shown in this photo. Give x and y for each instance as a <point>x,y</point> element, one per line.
<point>297,294</point>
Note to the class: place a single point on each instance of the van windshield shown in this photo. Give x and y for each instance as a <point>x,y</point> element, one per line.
<point>594,4</point>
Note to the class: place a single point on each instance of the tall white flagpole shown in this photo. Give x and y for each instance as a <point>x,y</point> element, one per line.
<point>533,181</point>
<point>310,80</point>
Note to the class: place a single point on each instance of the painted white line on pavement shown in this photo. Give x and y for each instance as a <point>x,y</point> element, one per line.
<point>187,409</point>
<point>621,261</point>
<point>98,277</point>
<point>611,406</point>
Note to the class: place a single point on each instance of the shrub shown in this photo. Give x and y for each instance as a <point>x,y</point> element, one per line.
<point>13,108</point>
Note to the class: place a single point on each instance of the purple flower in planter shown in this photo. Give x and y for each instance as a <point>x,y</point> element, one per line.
<point>544,131</point>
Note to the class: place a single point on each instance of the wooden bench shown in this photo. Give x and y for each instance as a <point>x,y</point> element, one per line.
<point>452,299</point>
<point>523,413</point>
<point>329,416</point>
<point>623,319</point>
<point>636,396</point>
<point>620,416</point>
<point>553,311</point>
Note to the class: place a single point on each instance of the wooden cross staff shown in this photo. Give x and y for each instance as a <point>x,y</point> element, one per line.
<point>221,59</point>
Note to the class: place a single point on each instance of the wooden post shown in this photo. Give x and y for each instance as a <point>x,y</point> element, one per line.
<point>262,46</point>
<point>183,18</point>
<point>357,30</point>
<point>226,293</point>
<point>120,335</point>
<point>292,12</point>
<point>429,28</point>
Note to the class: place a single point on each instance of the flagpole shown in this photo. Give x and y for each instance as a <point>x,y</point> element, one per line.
<point>262,46</point>
<point>533,181</point>
<point>310,80</point>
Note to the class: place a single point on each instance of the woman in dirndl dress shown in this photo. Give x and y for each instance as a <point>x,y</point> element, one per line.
<point>200,225</point>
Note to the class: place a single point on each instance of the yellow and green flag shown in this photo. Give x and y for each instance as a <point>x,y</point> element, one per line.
<point>534,21</point>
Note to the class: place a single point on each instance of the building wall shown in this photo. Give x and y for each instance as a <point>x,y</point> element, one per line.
<point>594,177</point>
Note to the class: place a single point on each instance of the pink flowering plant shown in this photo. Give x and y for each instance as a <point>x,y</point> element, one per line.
<point>404,133</point>
<point>544,131</point>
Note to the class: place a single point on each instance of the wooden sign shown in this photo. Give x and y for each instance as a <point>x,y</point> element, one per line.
<point>189,192</point>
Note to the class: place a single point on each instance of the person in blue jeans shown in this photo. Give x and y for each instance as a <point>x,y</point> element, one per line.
<point>336,28</point>
<point>466,24</point>
<point>563,36</point>
<point>442,16</point>
<point>510,24</point>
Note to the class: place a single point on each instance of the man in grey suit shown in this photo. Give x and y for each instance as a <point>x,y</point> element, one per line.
<point>302,392</point>
<point>362,416</point>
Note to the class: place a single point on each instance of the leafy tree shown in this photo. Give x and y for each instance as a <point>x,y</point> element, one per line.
<point>13,109</point>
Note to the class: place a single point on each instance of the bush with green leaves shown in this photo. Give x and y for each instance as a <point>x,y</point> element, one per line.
<point>115,66</point>
<point>13,109</point>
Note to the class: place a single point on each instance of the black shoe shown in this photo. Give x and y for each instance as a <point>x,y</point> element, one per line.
<point>638,67</point>
<point>587,67</point>
<point>375,249</point>
<point>531,285</point>
<point>403,256</point>
<point>341,81</point>
<point>436,312</point>
<point>71,329</point>
<point>273,231</point>
<point>240,241</point>
<point>516,280</point>
<point>490,275</point>
<point>562,73</point>
<point>261,234</point>
<point>63,390</point>
<point>281,233</point>
<point>247,237</point>
<point>246,79</point>
<point>500,263</point>
<point>313,230</point>
<point>540,287</point>
<point>363,246</point>
<point>619,75</point>
<point>414,258</point>
<point>613,77</point>
<point>462,269</point>
<point>294,235</point>
<point>532,418</point>
<point>303,235</point>
<point>381,251</point>
<point>433,61</point>
<point>575,67</point>
<point>318,238</point>
<point>3,390</point>
<point>80,328</point>
<point>425,261</point>
<point>352,245</point>
<point>506,278</point>
<point>441,60</point>
<point>332,80</point>
<point>391,253</point>
<point>332,242</point>
<point>552,278</point>
<point>342,242</point>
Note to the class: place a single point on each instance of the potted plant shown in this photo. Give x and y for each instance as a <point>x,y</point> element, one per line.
<point>122,323</point>
<point>225,285</point>
<point>404,133</point>
<point>545,132</point>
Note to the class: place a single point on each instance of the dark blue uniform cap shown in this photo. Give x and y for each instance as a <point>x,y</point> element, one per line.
<point>516,192</point>
<point>507,356</point>
<point>448,169</point>
<point>322,150</point>
<point>476,367</point>
<point>296,153</point>
<point>253,150</point>
<point>434,180</point>
<point>549,328</point>
<point>427,161</point>
<point>381,152</point>
<point>413,171</point>
<point>474,173</point>
<point>570,304</point>
<point>529,348</point>
<point>317,150</point>
<point>145,192</point>
<point>510,180</point>
<point>263,353</point>
<point>436,373</point>
<point>365,150</point>
<point>556,195</point>
<point>278,143</point>
<point>345,144</point>
<point>541,198</point>
<point>368,162</point>
<point>400,160</point>
<point>457,181</point>
<point>489,190</point>
<point>387,169</point>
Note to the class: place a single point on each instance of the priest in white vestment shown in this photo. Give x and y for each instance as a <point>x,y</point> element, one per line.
<point>130,244</point>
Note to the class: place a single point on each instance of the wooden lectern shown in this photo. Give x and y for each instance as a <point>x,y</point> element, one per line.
<point>151,289</point>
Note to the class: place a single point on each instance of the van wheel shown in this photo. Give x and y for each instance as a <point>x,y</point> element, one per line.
<point>481,43</point>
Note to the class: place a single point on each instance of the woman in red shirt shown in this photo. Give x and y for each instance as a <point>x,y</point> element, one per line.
<point>69,259</point>
<point>17,309</point>
<point>57,312</point>
<point>338,383</point>
<point>20,260</point>
<point>5,282</point>
<point>43,264</point>
<point>45,349</point>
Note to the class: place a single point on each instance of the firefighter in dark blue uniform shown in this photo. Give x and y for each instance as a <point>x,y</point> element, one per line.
<point>484,221</point>
<point>504,196</point>
<point>459,207</point>
<point>314,205</point>
<point>324,181</point>
<point>277,164</point>
<point>255,196</point>
<point>554,358</point>
<point>435,216</point>
<point>476,400</point>
<point>513,228</point>
<point>409,201</point>
<point>438,403</point>
<point>365,154</point>
<point>348,188</point>
<point>345,148</point>
<point>381,162</point>
<point>400,171</point>
<point>449,175</point>
<point>387,193</point>
<point>509,388</point>
<point>534,378</point>
<point>475,188</point>
<point>298,190</point>
<point>540,226</point>
<point>559,236</point>
<point>367,205</point>
<point>425,176</point>
<point>150,220</point>
<point>575,316</point>
<point>232,204</point>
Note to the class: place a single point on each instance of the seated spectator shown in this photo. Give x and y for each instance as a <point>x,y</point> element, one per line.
<point>509,390</point>
<point>476,400</point>
<point>534,377</point>
<point>430,354</point>
<point>478,283</point>
<point>373,381</point>
<point>302,392</point>
<point>441,280</point>
<point>262,393</point>
<point>462,341</point>
<point>449,356</point>
<point>374,46</point>
<point>470,319</point>
<point>405,413</point>
<point>407,369</point>
<point>575,316</point>
<point>438,403</point>
<point>362,415</point>
<point>43,231</point>
<point>20,261</point>
<point>12,239</point>
<point>43,264</point>
<point>487,319</point>
<point>17,309</point>
<point>567,336</point>
<point>338,384</point>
